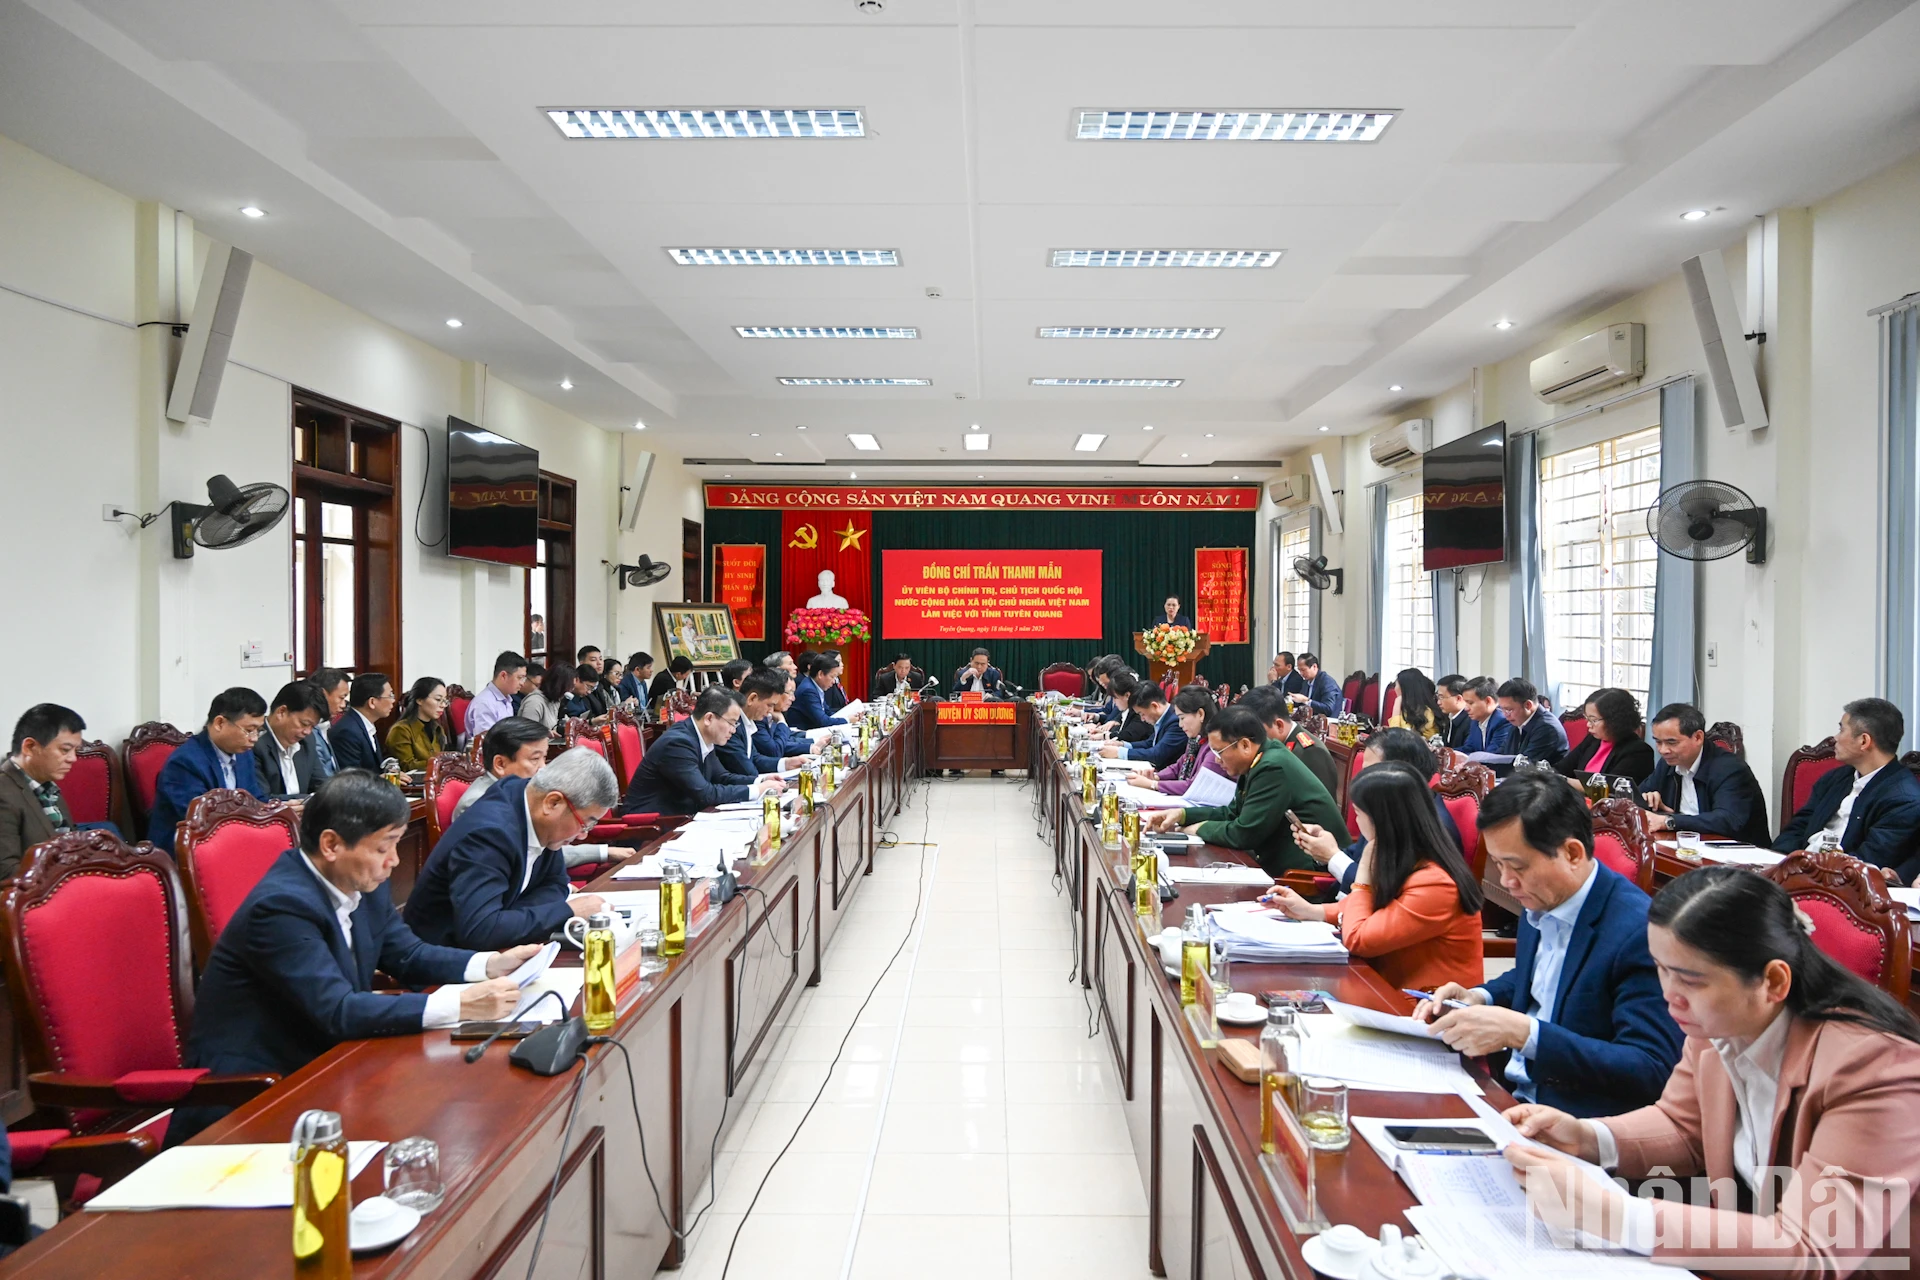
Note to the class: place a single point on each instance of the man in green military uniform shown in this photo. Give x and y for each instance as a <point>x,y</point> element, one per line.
<point>1269,781</point>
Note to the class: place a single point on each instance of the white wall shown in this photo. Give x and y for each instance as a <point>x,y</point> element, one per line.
<point>120,630</point>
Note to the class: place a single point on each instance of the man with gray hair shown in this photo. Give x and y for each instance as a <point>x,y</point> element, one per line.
<point>781,660</point>
<point>498,877</point>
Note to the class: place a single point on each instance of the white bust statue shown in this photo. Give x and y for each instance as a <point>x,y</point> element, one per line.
<point>827,599</point>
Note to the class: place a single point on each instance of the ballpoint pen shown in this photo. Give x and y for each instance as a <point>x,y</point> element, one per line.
<point>1428,995</point>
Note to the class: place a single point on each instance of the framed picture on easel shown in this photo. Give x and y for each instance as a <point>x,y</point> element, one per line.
<point>700,633</point>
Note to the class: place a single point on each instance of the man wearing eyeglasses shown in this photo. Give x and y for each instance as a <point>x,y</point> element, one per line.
<point>498,877</point>
<point>219,756</point>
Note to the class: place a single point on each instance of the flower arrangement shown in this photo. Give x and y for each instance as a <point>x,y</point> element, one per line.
<point>1169,644</point>
<point>824,628</point>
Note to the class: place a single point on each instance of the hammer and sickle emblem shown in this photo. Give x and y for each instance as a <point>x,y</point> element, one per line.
<point>806,537</point>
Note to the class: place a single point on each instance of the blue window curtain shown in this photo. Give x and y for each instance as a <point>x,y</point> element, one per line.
<point>1528,644</point>
<point>1900,374</point>
<point>1377,583</point>
<point>1446,657</point>
<point>1674,676</point>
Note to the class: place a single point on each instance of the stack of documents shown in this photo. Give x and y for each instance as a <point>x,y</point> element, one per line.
<point>1508,1243</point>
<point>1741,855</point>
<point>536,1005</point>
<point>1909,897</point>
<point>1263,939</point>
<point>255,1175</point>
<point>1252,876</point>
<point>1145,799</point>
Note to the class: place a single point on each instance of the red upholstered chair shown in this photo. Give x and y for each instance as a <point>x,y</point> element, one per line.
<point>1621,840</point>
<point>1063,677</point>
<point>1726,735</point>
<point>628,747</point>
<point>1855,921</point>
<point>1575,723</point>
<point>93,787</point>
<point>678,705</point>
<point>228,842</point>
<point>145,753</point>
<point>1389,702</point>
<point>458,700</point>
<point>1806,766</point>
<point>97,959</point>
<point>1462,789</point>
<point>1353,764</point>
<point>449,774</point>
<point>613,827</point>
<point>1370,698</point>
<point>68,1158</point>
<point>1350,690</point>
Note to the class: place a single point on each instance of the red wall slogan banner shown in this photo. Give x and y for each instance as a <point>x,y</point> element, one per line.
<point>980,497</point>
<point>967,595</point>
<point>1220,593</point>
<point>976,712</point>
<point>740,583</point>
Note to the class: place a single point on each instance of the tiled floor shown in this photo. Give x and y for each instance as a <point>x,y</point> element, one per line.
<point>972,1127</point>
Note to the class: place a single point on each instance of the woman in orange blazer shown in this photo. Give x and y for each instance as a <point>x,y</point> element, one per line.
<point>1414,909</point>
<point>1794,1112</point>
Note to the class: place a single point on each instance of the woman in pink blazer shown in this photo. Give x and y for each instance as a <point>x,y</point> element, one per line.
<point>1195,707</point>
<point>1792,1124</point>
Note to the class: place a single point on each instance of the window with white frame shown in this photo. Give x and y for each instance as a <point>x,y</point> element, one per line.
<point>1599,572</point>
<point>1296,597</point>
<point>1409,638</point>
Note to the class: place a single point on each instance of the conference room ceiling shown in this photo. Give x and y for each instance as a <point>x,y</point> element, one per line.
<point>1536,164</point>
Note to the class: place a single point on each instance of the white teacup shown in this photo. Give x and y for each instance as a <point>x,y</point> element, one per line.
<point>1241,1004</point>
<point>1346,1247</point>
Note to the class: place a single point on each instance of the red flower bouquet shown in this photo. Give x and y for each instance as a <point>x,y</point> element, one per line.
<point>825,628</point>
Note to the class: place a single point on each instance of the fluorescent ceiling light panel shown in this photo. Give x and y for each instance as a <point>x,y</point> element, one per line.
<point>785,257</point>
<point>620,123</point>
<point>1105,382</point>
<point>1123,331</point>
<point>863,442</point>
<point>1231,126</point>
<point>1088,443</point>
<point>977,441</point>
<point>1166,257</point>
<point>856,382</point>
<point>822,331</point>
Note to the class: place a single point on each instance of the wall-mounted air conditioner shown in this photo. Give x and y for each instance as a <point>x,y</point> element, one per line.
<point>1400,443</point>
<point>1604,358</point>
<point>1289,494</point>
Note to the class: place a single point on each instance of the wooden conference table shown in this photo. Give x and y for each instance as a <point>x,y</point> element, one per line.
<point>699,1036</point>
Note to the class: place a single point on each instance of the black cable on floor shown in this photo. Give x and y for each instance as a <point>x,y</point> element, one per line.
<point>566,1140</point>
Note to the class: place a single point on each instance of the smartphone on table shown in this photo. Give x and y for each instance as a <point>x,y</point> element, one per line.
<point>1453,1139</point>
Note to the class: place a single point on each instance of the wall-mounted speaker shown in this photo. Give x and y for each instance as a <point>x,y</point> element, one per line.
<point>1729,367</point>
<point>203,362</point>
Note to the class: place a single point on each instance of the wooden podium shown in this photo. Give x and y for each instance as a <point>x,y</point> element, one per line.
<point>1157,670</point>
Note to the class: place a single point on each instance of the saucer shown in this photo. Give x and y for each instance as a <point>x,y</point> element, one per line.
<point>378,1222</point>
<point>1252,1016</point>
<point>1330,1262</point>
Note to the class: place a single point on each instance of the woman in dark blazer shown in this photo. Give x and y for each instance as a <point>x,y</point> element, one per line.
<point>1613,745</point>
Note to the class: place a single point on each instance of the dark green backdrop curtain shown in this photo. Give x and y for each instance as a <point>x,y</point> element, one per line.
<point>1147,556</point>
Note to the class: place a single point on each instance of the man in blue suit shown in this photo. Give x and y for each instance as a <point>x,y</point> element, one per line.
<point>1698,786</point>
<point>791,741</point>
<point>1871,807</point>
<point>220,755</point>
<point>498,877</point>
<point>1283,675</point>
<point>755,749</point>
<point>809,710</point>
<point>1322,692</point>
<point>978,676</point>
<point>1538,734</point>
<point>683,771</point>
<point>1488,732</point>
<point>355,735</point>
<point>292,973</point>
<point>1168,739</point>
<point>1580,1015</point>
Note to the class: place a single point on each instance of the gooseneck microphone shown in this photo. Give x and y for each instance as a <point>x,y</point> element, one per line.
<point>474,1054</point>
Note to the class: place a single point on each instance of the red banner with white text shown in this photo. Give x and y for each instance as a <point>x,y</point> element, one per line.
<point>763,497</point>
<point>1220,594</point>
<point>973,595</point>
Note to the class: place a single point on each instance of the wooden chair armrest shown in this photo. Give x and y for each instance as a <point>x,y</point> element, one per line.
<point>107,1156</point>
<point>1497,948</point>
<point>58,1089</point>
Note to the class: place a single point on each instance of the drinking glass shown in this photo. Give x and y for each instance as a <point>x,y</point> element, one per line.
<point>412,1167</point>
<point>1222,968</point>
<point>651,961</point>
<point>1323,1113</point>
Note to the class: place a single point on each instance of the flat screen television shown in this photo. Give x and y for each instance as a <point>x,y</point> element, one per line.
<point>1464,484</point>
<point>493,496</point>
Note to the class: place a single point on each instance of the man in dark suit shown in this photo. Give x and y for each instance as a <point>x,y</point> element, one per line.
<point>978,676</point>
<point>283,757</point>
<point>292,973</point>
<point>1538,734</point>
<point>332,684</point>
<point>1871,807</point>
<point>809,710</point>
<point>1406,747</point>
<point>1322,691</point>
<point>355,734</point>
<point>498,877</point>
<point>683,771</point>
<point>220,755</point>
<point>1487,730</point>
<point>46,741</point>
<point>790,740</point>
<point>1164,745</point>
<point>1698,786</point>
<point>1170,616</point>
<point>835,694</point>
<point>899,674</point>
<point>1126,725</point>
<point>1283,675</point>
<point>754,750</point>
<point>1451,692</point>
<point>1581,1014</point>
